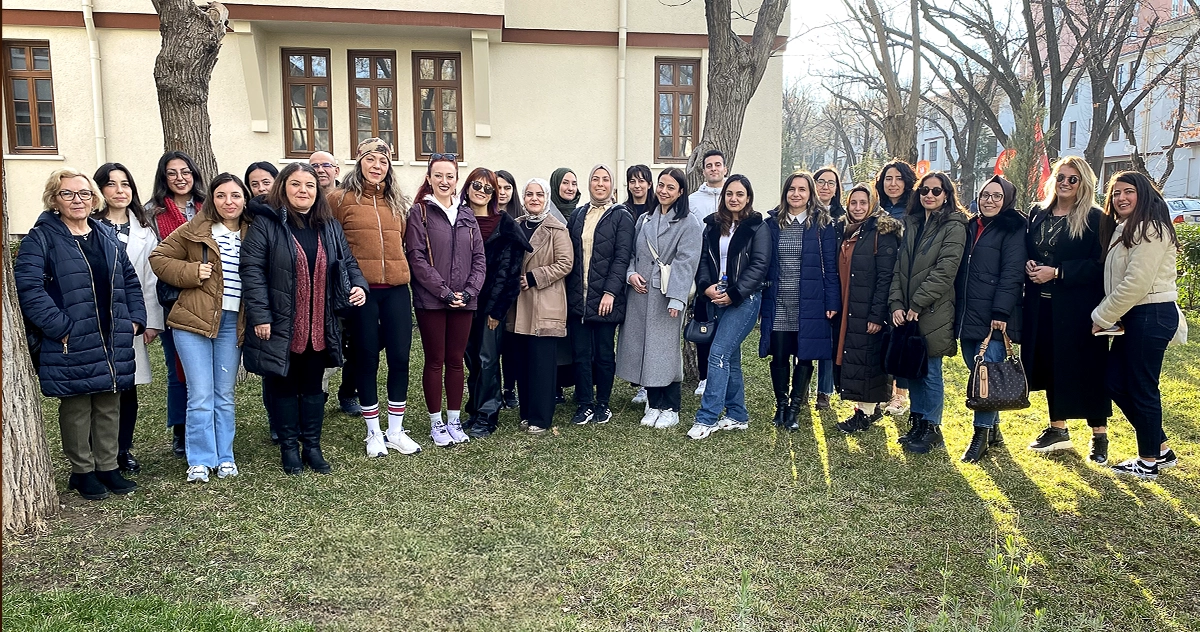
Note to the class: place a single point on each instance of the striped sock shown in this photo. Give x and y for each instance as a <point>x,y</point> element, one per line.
<point>395,416</point>
<point>371,416</point>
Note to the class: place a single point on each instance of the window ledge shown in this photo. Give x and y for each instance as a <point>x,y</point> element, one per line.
<point>667,165</point>
<point>425,163</point>
<point>57,157</point>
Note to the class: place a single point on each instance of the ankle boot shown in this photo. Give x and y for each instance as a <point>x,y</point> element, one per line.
<point>287,426</point>
<point>178,441</point>
<point>88,486</point>
<point>779,382</point>
<point>995,439</point>
<point>915,429</point>
<point>979,446</point>
<point>312,419</point>
<point>115,483</point>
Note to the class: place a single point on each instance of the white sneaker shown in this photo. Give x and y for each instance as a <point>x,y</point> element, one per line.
<point>650,417</point>
<point>226,469</point>
<point>401,442</point>
<point>641,396</point>
<point>375,445</point>
<point>440,434</point>
<point>197,473</point>
<point>897,406</point>
<point>700,431</point>
<point>454,428</point>
<point>700,387</point>
<point>667,419</point>
<point>725,423</point>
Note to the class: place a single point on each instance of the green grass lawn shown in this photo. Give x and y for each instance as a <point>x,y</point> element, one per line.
<point>624,527</point>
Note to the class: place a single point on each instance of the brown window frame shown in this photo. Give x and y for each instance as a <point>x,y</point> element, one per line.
<point>310,82</point>
<point>372,84</point>
<point>676,90</point>
<point>438,85</point>
<point>30,76</point>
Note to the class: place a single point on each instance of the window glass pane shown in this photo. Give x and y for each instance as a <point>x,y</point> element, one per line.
<point>426,98</point>
<point>16,58</point>
<point>426,69</point>
<point>362,97</point>
<point>41,59</point>
<point>46,136</point>
<point>449,70</point>
<point>385,119</point>
<point>685,74</point>
<point>43,89</point>
<point>321,118</point>
<point>298,96</point>
<point>20,89</point>
<point>687,147</point>
<point>664,103</point>
<point>451,142</point>
<point>389,136</point>
<point>383,68</point>
<point>299,117</point>
<point>666,74</point>
<point>299,140</point>
<point>449,121</point>
<point>24,136</point>
<point>685,104</point>
<point>665,146</point>
<point>318,67</point>
<point>45,113</point>
<point>427,123</point>
<point>428,142</point>
<point>363,134</point>
<point>22,112</point>
<point>449,100</point>
<point>685,127</point>
<point>385,97</point>
<point>664,125</point>
<point>362,67</point>
<point>364,121</point>
<point>296,65</point>
<point>321,96</point>
<point>321,140</point>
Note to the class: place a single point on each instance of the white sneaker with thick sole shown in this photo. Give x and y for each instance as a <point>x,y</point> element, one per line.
<point>401,442</point>
<point>226,469</point>
<point>700,387</point>
<point>375,445</point>
<point>641,396</point>
<point>700,431</point>
<point>197,473</point>
<point>667,419</point>
<point>726,423</point>
<point>897,406</point>
<point>650,417</point>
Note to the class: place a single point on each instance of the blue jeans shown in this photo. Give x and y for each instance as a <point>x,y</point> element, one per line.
<point>211,365</point>
<point>927,396</point>
<point>726,389</point>
<point>825,376</point>
<point>1134,367</point>
<point>176,389</point>
<point>995,353</point>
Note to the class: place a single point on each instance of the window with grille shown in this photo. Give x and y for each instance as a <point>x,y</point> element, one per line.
<point>306,102</point>
<point>437,103</point>
<point>29,98</point>
<point>373,96</point>
<point>1071,134</point>
<point>677,102</point>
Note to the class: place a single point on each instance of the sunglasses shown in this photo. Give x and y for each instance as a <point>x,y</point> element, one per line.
<point>482,186</point>
<point>449,157</point>
<point>936,191</point>
<point>1069,179</point>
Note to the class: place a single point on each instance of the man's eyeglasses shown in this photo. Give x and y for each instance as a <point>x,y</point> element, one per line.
<point>987,197</point>
<point>66,195</point>
<point>1069,179</point>
<point>323,165</point>
<point>936,191</point>
<point>449,157</point>
<point>482,186</point>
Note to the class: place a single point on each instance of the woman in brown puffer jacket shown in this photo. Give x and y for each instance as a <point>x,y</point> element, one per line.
<point>373,213</point>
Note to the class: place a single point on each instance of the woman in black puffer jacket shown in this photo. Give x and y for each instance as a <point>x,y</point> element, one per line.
<point>988,291</point>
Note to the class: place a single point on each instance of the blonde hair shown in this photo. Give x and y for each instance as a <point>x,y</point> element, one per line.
<point>54,184</point>
<point>1084,200</point>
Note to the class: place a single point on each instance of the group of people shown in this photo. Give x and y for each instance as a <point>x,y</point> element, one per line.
<point>292,273</point>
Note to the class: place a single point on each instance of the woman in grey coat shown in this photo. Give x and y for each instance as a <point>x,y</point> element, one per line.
<point>648,350</point>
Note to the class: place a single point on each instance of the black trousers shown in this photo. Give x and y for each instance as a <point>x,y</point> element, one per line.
<point>127,420</point>
<point>1134,368</point>
<point>286,396</point>
<point>510,360</point>
<point>702,359</point>
<point>595,361</point>
<point>537,380</point>
<point>783,349</point>
<point>349,386</point>
<point>483,367</point>
<point>664,397</point>
<point>383,323</point>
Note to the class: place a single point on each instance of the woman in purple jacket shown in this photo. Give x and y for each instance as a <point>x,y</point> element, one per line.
<point>448,264</point>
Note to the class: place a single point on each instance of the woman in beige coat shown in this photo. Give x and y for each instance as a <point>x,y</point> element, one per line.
<point>539,316</point>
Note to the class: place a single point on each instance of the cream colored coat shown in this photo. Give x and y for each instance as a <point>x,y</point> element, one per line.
<point>542,310</point>
<point>142,241</point>
<point>1135,276</point>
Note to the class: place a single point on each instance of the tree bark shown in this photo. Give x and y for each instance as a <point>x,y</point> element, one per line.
<point>191,39</point>
<point>29,494</point>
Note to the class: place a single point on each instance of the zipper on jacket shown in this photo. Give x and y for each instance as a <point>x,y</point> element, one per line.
<point>112,372</point>
<point>382,249</point>
<point>967,280</point>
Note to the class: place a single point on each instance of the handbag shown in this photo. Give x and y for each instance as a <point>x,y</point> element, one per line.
<point>339,277</point>
<point>700,332</point>
<point>1001,385</point>
<point>905,353</point>
<point>664,269</point>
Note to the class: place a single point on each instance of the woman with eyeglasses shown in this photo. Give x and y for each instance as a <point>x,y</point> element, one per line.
<point>935,234</point>
<point>83,303</point>
<point>829,195</point>
<point>448,263</point>
<point>893,186</point>
<point>504,248</point>
<point>122,211</point>
<point>988,291</point>
<point>178,195</point>
<point>373,212</point>
<point>1064,281</point>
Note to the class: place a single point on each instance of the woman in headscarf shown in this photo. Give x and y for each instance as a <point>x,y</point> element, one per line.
<point>564,196</point>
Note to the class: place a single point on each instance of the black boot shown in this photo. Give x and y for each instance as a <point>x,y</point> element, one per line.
<point>854,423</point>
<point>126,462</point>
<point>929,439</point>
<point>995,439</point>
<point>801,378</point>
<point>979,446</point>
<point>115,483</point>
<point>484,426</point>
<point>178,441</point>
<point>1099,452</point>
<point>88,486</point>
<point>287,425</point>
<point>915,429</point>
<point>779,383</point>
<point>312,419</point>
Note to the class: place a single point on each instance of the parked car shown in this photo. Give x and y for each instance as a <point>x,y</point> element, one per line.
<point>1184,210</point>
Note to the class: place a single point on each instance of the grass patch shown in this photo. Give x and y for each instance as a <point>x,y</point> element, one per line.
<point>622,527</point>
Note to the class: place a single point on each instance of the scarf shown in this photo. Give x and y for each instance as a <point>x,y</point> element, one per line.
<point>170,219</point>
<point>309,323</point>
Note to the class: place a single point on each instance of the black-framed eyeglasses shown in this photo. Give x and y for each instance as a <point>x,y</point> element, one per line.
<point>449,157</point>
<point>66,195</point>
<point>827,183</point>
<point>1069,179</point>
<point>985,197</point>
<point>936,191</point>
<point>482,187</point>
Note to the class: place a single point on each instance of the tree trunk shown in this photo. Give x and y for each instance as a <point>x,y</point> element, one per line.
<point>191,39</point>
<point>29,495</point>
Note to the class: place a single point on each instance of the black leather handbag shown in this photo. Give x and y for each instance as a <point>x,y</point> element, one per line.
<point>995,386</point>
<point>905,353</point>
<point>700,332</point>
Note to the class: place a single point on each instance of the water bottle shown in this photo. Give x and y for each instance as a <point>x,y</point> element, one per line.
<point>723,284</point>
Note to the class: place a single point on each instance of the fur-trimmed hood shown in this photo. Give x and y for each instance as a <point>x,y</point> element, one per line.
<point>880,220</point>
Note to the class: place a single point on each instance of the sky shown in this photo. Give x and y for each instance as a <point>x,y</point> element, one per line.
<point>809,47</point>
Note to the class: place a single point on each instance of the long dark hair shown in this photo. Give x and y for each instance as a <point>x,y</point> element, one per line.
<point>724,215</point>
<point>1150,213</point>
<point>781,215</point>
<point>513,208</point>
<point>680,207</point>
<point>425,188</point>
<point>162,191</point>
<point>277,198</point>
<point>209,209</point>
<point>643,172</point>
<point>950,205</point>
<point>906,173</point>
<point>489,178</point>
<point>835,205</point>
<point>265,166</point>
<point>104,176</point>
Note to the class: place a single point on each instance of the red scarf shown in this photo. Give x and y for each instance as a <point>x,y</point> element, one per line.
<point>309,320</point>
<point>170,219</point>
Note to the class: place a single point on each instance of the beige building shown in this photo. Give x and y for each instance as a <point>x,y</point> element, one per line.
<point>522,85</point>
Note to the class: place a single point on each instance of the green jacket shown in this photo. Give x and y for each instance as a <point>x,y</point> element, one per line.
<point>924,277</point>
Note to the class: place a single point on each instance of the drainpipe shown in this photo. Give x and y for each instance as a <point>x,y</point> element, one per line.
<point>97,83</point>
<point>622,40</point>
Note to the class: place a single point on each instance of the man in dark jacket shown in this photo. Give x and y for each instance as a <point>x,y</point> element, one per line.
<point>602,236</point>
